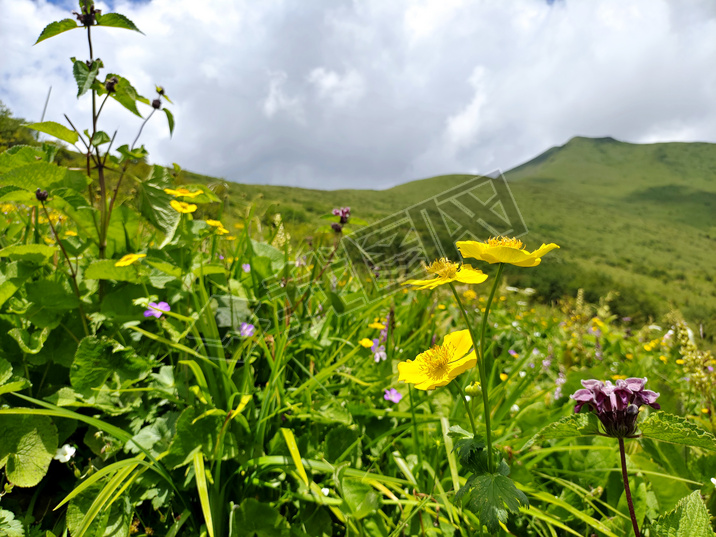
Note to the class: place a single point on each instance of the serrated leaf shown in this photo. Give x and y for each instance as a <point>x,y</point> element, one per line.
<point>125,94</point>
<point>154,204</point>
<point>676,430</point>
<point>170,120</point>
<point>690,518</point>
<point>492,497</point>
<point>57,130</point>
<point>55,28</point>
<point>584,424</point>
<point>36,175</point>
<point>9,526</point>
<point>117,20</point>
<point>34,253</point>
<point>85,75</point>
<point>99,138</point>
<point>27,445</point>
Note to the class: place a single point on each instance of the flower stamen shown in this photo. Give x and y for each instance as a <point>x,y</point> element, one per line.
<point>506,241</point>
<point>443,267</point>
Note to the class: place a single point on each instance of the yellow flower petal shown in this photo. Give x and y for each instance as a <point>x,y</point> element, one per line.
<point>503,377</point>
<point>365,342</point>
<point>183,192</point>
<point>504,250</point>
<point>129,259</point>
<point>377,326</point>
<point>183,207</point>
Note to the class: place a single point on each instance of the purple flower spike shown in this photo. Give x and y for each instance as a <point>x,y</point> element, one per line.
<point>616,405</point>
<point>247,330</point>
<point>155,310</point>
<point>393,395</point>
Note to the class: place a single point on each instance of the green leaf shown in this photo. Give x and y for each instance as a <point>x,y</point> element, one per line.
<point>690,518</point>
<point>99,359</point>
<point>170,120</point>
<point>85,75</point>
<point>676,430</point>
<point>55,28</point>
<point>493,495</point>
<point>30,343</point>
<point>154,203</point>
<point>55,129</point>
<point>583,424</point>
<point>9,527</point>
<point>112,522</point>
<point>12,277</point>
<point>257,519</point>
<point>5,371</point>
<point>359,498</point>
<point>51,294</point>
<point>199,432</point>
<point>99,138</point>
<point>36,175</point>
<point>104,269</point>
<point>124,93</point>
<point>33,253</point>
<point>116,20</point>
<point>27,445</point>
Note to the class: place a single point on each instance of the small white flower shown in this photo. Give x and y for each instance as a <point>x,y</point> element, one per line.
<point>529,291</point>
<point>523,374</point>
<point>713,480</point>
<point>515,408</point>
<point>65,453</point>
<point>512,289</point>
<point>326,491</point>
<point>654,327</point>
<point>467,398</point>
<point>515,324</point>
<point>521,303</point>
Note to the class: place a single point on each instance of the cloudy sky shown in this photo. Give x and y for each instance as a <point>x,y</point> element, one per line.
<point>373,93</point>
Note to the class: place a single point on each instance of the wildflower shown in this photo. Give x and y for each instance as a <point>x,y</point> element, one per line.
<point>440,364</point>
<point>447,272</point>
<point>220,229</point>
<point>155,310</point>
<point>247,329</point>
<point>616,405</point>
<point>344,213</point>
<point>41,195</point>
<point>325,491</point>
<point>469,295</point>
<point>523,374</point>
<point>377,326</point>
<point>337,227</point>
<point>129,259</point>
<point>442,306</point>
<point>65,453</point>
<point>515,408</point>
<point>183,207</point>
<point>70,233</point>
<point>513,353</point>
<point>392,395</point>
<point>504,250</point>
<point>365,342</point>
<point>504,377</point>
<point>378,351</point>
<point>183,192</point>
<point>246,267</point>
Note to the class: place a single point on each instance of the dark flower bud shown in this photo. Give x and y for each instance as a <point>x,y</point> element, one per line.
<point>337,227</point>
<point>111,84</point>
<point>160,90</point>
<point>156,104</point>
<point>41,195</point>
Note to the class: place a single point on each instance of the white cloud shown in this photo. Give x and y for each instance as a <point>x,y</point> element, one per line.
<point>376,93</point>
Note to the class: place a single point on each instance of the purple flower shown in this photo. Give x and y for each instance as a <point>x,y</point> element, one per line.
<point>246,267</point>
<point>378,351</point>
<point>154,307</point>
<point>247,330</point>
<point>337,227</point>
<point>344,213</point>
<point>513,353</point>
<point>616,405</point>
<point>393,395</point>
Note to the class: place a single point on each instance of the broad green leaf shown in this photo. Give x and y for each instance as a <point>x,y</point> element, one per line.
<point>257,519</point>
<point>154,203</point>
<point>12,277</point>
<point>99,138</point>
<point>492,496</point>
<point>55,28</point>
<point>36,175</point>
<point>199,432</point>
<point>116,20</point>
<point>135,154</point>
<point>690,518</point>
<point>30,343</point>
<point>105,269</point>
<point>85,75</point>
<point>5,371</point>
<point>124,93</point>
<point>51,294</point>
<point>33,253</point>
<point>583,424</point>
<point>276,256</point>
<point>360,499</point>
<point>170,120</point>
<point>55,129</point>
<point>98,360</point>
<point>676,430</point>
<point>22,155</point>
<point>27,445</point>
<point>9,526</point>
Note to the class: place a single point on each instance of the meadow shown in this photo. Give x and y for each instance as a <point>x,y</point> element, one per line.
<point>179,355</point>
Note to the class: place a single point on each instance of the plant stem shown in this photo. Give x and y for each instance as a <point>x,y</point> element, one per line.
<point>483,376</point>
<point>625,477</point>
<point>416,437</point>
<point>467,407</point>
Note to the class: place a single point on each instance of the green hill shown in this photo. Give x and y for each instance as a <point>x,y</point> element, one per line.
<point>639,219</point>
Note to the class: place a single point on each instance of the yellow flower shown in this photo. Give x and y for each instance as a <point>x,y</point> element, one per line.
<point>441,306</point>
<point>129,259</point>
<point>365,342</point>
<point>377,326</point>
<point>446,272</point>
<point>663,358</point>
<point>182,206</point>
<point>705,410</point>
<point>230,238</point>
<point>220,229</point>
<point>503,377</point>
<point>183,192</point>
<point>70,233</point>
<point>239,225</point>
<point>618,377</point>
<point>442,363</point>
<point>469,295</point>
<point>680,361</point>
<point>504,250</point>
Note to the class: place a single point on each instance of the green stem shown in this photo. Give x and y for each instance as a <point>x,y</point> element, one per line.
<point>416,437</point>
<point>467,407</point>
<point>625,477</point>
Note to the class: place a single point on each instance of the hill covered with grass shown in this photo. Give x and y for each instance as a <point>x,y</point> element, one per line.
<point>639,219</point>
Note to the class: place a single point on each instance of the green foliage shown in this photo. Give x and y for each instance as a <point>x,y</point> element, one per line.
<point>55,129</point>
<point>100,359</point>
<point>583,424</point>
<point>56,28</point>
<point>116,20</point>
<point>27,446</point>
<point>676,430</point>
<point>689,519</point>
